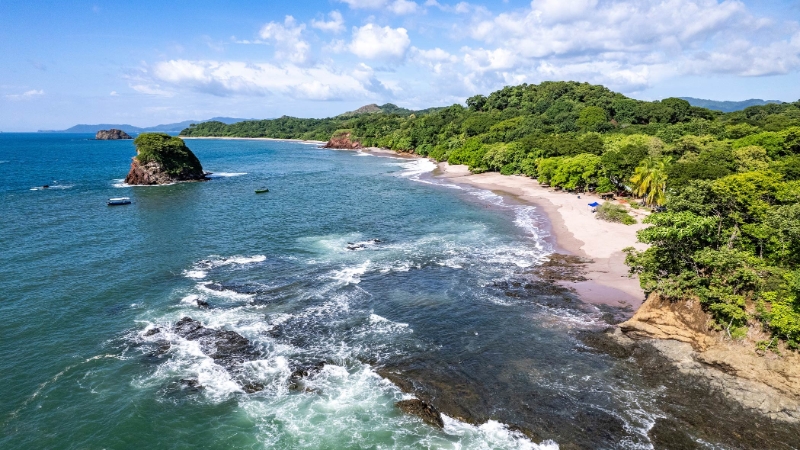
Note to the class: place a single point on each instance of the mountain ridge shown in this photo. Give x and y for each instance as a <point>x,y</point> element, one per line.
<point>727,105</point>
<point>167,127</point>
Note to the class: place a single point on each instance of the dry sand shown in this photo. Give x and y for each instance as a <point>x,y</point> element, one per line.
<point>576,230</point>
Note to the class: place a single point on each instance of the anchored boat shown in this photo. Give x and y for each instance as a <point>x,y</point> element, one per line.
<point>119,201</point>
<point>262,190</point>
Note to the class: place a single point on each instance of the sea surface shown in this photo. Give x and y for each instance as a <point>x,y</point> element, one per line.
<point>367,264</point>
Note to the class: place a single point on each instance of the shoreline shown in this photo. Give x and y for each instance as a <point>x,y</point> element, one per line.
<point>227,138</point>
<point>574,230</point>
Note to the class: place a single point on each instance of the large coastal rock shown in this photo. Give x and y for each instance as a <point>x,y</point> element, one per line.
<point>343,141</point>
<point>680,330</point>
<point>111,135</point>
<point>163,159</point>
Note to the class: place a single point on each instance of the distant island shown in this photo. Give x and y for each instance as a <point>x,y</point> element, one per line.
<point>724,188</point>
<point>728,106</point>
<point>163,159</point>
<point>111,135</point>
<point>130,129</point>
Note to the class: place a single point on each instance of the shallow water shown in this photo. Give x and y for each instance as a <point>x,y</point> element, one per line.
<point>434,305</point>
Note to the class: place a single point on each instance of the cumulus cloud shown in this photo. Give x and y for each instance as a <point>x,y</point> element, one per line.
<point>374,42</point>
<point>399,7</point>
<point>233,77</point>
<point>288,40</point>
<point>27,95</point>
<point>335,25</point>
<point>628,44</point>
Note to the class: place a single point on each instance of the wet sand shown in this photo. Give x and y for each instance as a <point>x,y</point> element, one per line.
<point>575,230</point>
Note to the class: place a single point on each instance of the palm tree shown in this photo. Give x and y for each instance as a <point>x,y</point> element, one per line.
<point>650,181</point>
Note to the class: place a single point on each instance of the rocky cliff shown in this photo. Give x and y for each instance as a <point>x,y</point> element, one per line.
<point>763,380</point>
<point>112,134</point>
<point>343,141</point>
<point>163,159</point>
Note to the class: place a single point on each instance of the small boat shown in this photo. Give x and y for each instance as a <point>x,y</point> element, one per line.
<point>119,201</point>
<point>262,190</point>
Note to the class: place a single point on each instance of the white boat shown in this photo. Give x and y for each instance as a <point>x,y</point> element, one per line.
<point>119,201</point>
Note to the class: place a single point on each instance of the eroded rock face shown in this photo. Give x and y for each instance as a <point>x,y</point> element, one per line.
<point>112,134</point>
<point>766,382</point>
<point>343,142</point>
<point>426,412</point>
<point>658,318</point>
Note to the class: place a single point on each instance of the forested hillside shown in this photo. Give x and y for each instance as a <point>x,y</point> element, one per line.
<point>727,185</point>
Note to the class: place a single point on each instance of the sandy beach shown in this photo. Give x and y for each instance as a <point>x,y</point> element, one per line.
<point>575,230</point>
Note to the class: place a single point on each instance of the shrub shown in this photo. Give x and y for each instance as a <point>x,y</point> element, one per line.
<point>611,212</point>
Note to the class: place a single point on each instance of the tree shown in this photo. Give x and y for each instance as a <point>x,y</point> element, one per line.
<point>650,181</point>
<point>592,118</point>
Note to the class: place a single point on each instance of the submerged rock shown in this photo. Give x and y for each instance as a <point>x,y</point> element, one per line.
<point>303,372</point>
<point>426,412</point>
<point>111,135</point>
<point>163,159</point>
<point>227,348</point>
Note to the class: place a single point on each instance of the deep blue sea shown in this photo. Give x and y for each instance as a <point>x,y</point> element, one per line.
<point>89,295</point>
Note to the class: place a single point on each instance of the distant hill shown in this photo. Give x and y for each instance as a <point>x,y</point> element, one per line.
<point>727,106</point>
<point>388,108</point>
<point>165,128</point>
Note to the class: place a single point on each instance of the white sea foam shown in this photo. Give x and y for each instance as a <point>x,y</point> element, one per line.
<point>224,293</point>
<point>226,174</point>
<point>120,183</point>
<point>350,275</point>
<point>196,274</point>
<point>493,434</point>
<point>238,260</point>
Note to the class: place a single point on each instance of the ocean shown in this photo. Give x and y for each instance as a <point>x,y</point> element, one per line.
<point>352,271</point>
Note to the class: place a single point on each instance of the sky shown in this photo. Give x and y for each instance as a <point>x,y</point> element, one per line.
<point>150,62</point>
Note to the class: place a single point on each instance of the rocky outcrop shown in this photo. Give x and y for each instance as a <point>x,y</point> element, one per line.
<point>343,141</point>
<point>111,135</point>
<point>152,173</point>
<point>227,348</point>
<point>659,318</point>
<point>426,412</point>
<point>163,159</point>
<point>767,381</point>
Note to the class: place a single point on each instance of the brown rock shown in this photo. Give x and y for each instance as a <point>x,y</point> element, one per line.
<point>343,141</point>
<point>426,412</point>
<point>658,318</point>
<point>112,134</point>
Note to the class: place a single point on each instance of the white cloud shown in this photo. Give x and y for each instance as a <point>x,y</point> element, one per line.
<point>375,42</point>
<point>365,4</point>
<point>288,40</point>
<point>627,44</point>
<point>398,7</point>
<point>233,77</point>
<point>113,94</point>
<point>151,89</point>
<point>401,7</point>
<point>27,95</point>
<point>335,25</point>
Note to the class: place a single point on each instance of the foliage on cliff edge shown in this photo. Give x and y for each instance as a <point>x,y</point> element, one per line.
<point>168,151</point>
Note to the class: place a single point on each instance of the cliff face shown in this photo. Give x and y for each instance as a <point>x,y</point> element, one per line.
<point>343,142</point>
<point>112,134</point>
<point>153,173</point>
<point>715,356</point>
<point>163,159</point>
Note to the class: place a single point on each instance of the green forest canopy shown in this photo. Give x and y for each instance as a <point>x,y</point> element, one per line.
<point>729,183</point>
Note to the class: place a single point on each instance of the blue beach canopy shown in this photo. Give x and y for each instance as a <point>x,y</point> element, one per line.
<point>594,204</point>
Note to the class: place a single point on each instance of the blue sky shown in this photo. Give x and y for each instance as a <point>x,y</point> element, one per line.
<point>148,62</point>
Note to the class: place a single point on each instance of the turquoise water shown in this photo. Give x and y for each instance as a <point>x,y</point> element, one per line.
<point>84,287</point>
